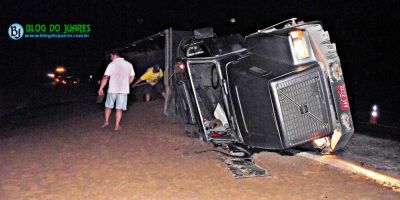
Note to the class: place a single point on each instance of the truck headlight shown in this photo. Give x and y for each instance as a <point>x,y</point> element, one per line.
<point>180,66</point>
<point>299,45</point>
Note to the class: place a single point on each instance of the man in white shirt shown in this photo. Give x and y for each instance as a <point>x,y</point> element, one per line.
<point>121,75</point>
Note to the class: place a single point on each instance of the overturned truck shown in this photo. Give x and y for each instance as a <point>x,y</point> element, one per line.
<point>274,89</point>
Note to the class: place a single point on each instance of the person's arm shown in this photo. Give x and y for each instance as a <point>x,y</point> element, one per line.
<point>103,84</point>
<point>132,75</point>
<point>131,78</point>
<point>137,82</point>
<point>160,75</point>
<point>144,77</point>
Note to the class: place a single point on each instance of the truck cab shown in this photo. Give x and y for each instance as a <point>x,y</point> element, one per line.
<point>273,89</point>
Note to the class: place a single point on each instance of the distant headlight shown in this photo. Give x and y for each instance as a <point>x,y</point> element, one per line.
<point>300,46</point>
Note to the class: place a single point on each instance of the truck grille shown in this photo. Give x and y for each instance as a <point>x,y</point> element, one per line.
<point>302,109</point>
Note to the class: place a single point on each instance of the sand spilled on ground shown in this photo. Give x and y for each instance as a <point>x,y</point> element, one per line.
<point>75,159</point>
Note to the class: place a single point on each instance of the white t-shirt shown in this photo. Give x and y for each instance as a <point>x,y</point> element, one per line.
<point>119,71</point>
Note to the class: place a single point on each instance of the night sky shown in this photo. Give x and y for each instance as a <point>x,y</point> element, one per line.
<point>365,33</point>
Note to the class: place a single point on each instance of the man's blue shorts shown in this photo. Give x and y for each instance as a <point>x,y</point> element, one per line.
<point>119,99</point>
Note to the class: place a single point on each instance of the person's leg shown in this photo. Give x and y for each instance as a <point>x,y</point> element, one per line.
<point>107,113</point>
<point>147,91</point>
<point>108,106</point>
<point>118,117</point>
<point>160,89</point>
<point>120,105</point>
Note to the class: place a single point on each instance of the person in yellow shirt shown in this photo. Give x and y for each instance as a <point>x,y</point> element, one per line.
<point>152,77</point>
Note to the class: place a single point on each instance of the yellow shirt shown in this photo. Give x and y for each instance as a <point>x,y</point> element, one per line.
<point>150,77</point>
